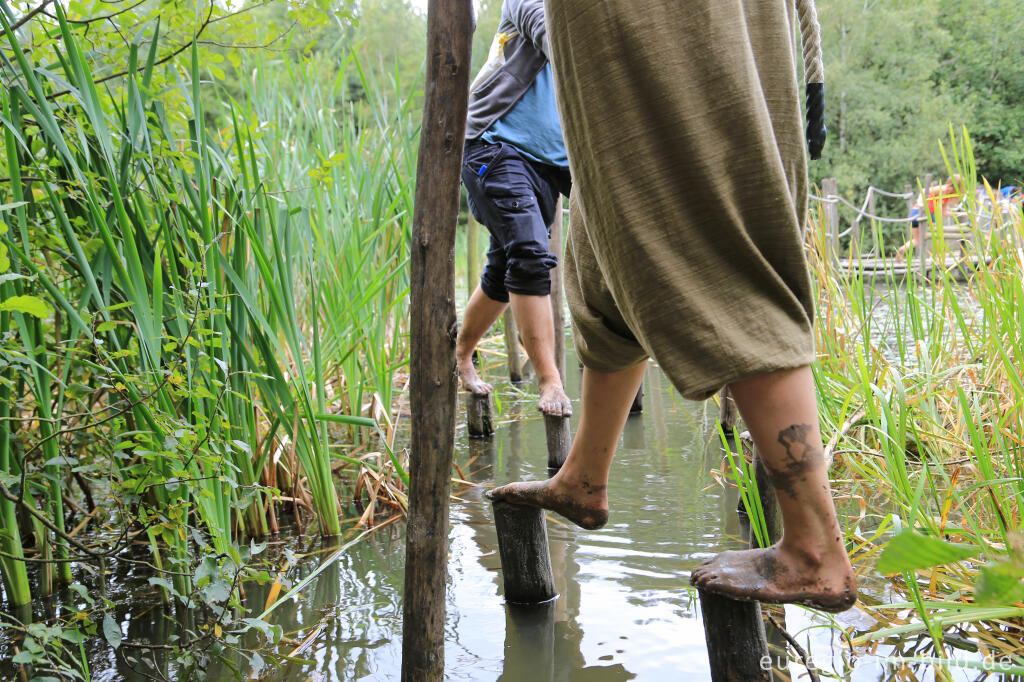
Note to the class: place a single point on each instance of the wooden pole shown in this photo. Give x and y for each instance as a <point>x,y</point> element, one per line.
<point>558,290</point>
<point>734,632</point>
<point>638,402</point>
<point>525,558</point>
<point>432,381</point>
<point>559,439</point>
<point>728,413</point>
<point>830,188</point>
<point>908,189</point>
<point>472,255</point>
<point>515,358</point>
<point>479,421</point>
<point>872,205</point>
<point>769,503</point>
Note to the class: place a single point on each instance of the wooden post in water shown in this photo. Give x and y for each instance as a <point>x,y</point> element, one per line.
<point>734,630</point>
<point>472,255</point>
<point>558,291</point>
<point>479,421</point>
<point>525,558</point>
<point>830,188</point>
<point>559,439</point>
<point>728,413</point>
<point>638,402</point>
<point>769,503</point>
<point>734,633</point>
<point>432,381</point>
<point>515,358</point>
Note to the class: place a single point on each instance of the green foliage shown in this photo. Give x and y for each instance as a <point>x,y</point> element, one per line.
<point>899,72</point>
<point>910,551</point>
<point>185,308</point>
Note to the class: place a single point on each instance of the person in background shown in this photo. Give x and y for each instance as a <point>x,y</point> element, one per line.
<point>686,244</point>
<point>514,169</point>
<point>941,200</point>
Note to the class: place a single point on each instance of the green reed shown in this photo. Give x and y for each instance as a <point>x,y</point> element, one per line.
<point>928,365</point>
<point>189,309</point>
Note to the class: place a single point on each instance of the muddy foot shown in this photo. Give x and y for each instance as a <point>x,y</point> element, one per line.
<point>772,576</point>
<point>586,505</point>
<point>471,381</point>
<point>553,400</point>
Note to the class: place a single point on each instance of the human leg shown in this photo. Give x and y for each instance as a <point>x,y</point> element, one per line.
<point>482,312</point>
<point>579,491</point>
<point>536,327</point>
<point>810,564</point>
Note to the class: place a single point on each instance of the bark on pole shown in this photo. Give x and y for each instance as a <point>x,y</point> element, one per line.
<point>558,291</point>
<point>432,336</point>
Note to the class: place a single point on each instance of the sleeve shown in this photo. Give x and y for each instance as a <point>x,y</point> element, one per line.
<point>528,18</point>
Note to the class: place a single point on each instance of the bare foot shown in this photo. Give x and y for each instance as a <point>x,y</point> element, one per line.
<point>553,399</point>
<point>776,576</point>
<point>470,379</point>
<point>585,505</point>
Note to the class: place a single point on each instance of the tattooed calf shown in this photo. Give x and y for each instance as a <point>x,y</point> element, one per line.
<point>801,453</point>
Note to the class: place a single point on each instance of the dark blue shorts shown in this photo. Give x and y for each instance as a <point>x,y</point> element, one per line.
<point>515,198</point>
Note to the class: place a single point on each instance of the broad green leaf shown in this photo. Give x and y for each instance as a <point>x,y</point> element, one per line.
<point>910,551</point>
<point>30,305</point>
<point>112,631</point>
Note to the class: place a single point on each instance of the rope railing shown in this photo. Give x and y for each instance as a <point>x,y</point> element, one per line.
<point>862,212</point>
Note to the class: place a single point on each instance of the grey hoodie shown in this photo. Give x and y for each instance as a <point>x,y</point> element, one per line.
<point>525,55</point>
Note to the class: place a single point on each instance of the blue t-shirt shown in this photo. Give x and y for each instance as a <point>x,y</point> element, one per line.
<point>532,125</point>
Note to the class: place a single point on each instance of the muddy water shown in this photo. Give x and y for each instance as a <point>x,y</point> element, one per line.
<point>624,610</point>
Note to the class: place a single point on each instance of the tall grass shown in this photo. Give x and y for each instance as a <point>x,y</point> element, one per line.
<point>925,372</point>
<point>187,310</point>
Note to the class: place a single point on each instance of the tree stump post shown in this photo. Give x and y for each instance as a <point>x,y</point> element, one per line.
<point>559,439</point>
<point>734,633</point>
<point>472,255</point>
<point>515,358</point>
<point>830,188</point>
<point>638,402</point>
<point>525,557</point>
<point>558,291</point>
<point>728,413</point>
<point>479,420</point>
<point>432,382</point>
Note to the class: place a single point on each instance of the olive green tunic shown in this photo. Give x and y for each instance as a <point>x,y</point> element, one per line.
<point>682,121</point>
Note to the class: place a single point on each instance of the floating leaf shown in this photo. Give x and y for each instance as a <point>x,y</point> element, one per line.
<point>910,551</point>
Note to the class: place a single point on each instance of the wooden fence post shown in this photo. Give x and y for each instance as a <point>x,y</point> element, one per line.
<point>525,557</point>
<point>479,421</point>
<point>908,189</point>
<point>558,290</point>
<point>734,633</point>
<point>638,402</point>
<point>559,439</point>
<point>472,255</point>
<point>830,188</point>
<point>734,630</point>
<point>515,357</point>
<point>432,381</point>
<point>728,413</point>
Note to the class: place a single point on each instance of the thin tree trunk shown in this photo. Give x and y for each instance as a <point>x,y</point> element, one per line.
<point>432,333</point>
